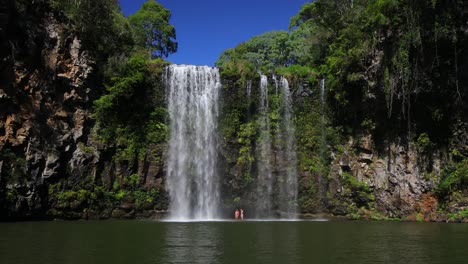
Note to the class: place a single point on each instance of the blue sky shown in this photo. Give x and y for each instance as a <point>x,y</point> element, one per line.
<point>207,27</point>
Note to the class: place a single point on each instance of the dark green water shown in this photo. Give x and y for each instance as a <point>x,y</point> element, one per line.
<point>232,242</point>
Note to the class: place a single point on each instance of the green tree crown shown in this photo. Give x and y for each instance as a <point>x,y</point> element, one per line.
<point>152,31</point>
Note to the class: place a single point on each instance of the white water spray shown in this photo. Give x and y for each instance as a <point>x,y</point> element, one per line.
<point>264,156</point>
<point>192,177</point>
<point>288,178</point>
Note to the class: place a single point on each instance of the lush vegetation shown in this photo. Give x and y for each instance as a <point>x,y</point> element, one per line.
<point>130,111</point>
<point>405,52</point>
<point>152,30</point>
<point>106,32</point>
<point>392,69</point>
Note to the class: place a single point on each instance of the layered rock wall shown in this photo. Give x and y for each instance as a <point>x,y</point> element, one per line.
<point>47,141</point>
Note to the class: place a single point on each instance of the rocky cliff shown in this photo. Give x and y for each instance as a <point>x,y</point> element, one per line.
<point>356,176</point>
<point>53,164</point>
<point>50,163</point>
<point>45,110</point>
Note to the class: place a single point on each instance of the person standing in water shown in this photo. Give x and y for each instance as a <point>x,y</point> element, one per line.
<point>236,214</point>
<point>242,214</point>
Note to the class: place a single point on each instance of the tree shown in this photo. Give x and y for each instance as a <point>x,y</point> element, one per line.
<point>101,25</point>
<point>152,30</point>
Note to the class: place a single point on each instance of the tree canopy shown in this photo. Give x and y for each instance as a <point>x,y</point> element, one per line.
<point>152,30</point>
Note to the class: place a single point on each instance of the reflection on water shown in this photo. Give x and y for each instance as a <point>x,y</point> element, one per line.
<point>276,244</point>
<point>147,242</point>
<point>227,242</point>
<point>192,243</point>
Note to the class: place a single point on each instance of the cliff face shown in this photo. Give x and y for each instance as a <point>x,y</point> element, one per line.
<point>47,146</point>
<point>363,178</point>
<point>45,110</point>
<point>393,183</point>
<point>53,166</point>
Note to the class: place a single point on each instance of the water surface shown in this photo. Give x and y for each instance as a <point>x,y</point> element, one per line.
<point>232,242</point>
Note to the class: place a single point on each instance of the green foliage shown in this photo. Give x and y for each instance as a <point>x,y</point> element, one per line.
<point>14,168</point>
<point>296,72</point>
<point>368,124</point>
<point>145,197</point>
<point>102,26</point>
<point>109,108</point>
<point>423,143</point>
<point>453,178</point>
<point>355,184</point>
<point>458,216</point>
<point>86,149</point>
<point>230,124</point>
<point>131,182</point>
<point>245,137</point>
<point>392,48</point>
<point>152,30</point>
<point>237,201</point>
<point>121,194</point>
<point>97,198</point>
<point>359,191</point>
<point>419,217</point>
<point>264,52</point>
<point>115,185</point>
<point>132,114</point>
<point>156,130</point>
<point>11,195</point>
<point>70,198</point>
<point>105,31</point>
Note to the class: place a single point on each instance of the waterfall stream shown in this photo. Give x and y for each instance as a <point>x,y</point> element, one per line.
<point>288,179</point>
<point>192,177</point>
<point>276,181</point>
<point>193,182</point>
<point>264,155</point>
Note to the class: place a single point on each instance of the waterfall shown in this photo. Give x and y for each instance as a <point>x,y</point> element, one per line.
<point>264,155</point>
<point>322,105</point>
<point>322,91</point>
<point>322,189</point>
<point>277,181</point>
<point>249,88</point>
<point>192,179</point>
<point>287,180</point>
<point>276,84</point>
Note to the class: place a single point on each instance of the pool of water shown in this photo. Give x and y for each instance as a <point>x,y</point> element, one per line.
<point>60,242</point>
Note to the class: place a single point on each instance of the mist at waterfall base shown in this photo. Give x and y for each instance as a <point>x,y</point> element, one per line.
<point>193,175</point>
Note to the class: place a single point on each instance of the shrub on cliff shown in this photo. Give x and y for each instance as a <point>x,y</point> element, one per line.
<point>454,178</point>
<point>131,113</point>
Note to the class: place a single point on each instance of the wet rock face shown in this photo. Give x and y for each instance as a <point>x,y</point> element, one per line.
<point>394,180</point>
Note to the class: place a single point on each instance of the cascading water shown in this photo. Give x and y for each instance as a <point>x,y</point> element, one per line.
<point>323,142</point>
<point>322,105</point>
<point>192,178</point>
<point>288,177</point>
<point>276,84</point>
<point>264,156</point>
<point>277,181</point>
